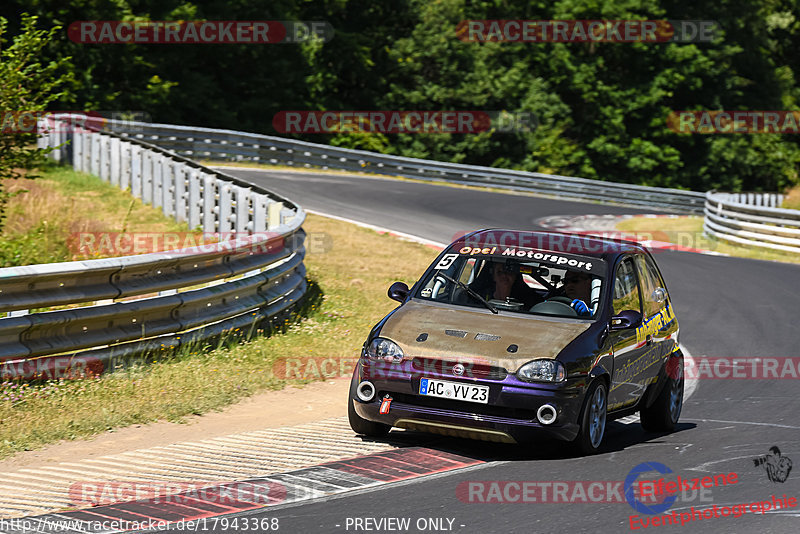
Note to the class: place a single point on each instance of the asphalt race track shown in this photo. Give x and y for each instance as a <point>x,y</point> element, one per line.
<point>727,307</point>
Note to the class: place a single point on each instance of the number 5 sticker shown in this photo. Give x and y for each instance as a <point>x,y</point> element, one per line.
<point>446,261</point>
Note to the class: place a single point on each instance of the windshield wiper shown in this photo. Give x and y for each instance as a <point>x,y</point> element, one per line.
<point>469,290</point>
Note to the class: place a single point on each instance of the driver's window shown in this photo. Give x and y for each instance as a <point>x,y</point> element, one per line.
<point>626,289</point>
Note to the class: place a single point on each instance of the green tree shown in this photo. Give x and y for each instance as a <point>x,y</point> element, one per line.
<point>27,85</point>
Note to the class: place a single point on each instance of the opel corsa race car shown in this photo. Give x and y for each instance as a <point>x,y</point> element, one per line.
<point>510,336</point>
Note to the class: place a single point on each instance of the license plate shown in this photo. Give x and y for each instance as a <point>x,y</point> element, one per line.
<point>454,390</point>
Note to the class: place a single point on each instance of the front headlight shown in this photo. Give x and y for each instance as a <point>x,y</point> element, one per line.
<point>381,349</point>
<point>542,371</point>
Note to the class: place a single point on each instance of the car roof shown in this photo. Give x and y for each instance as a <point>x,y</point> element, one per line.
<point>607,248</point>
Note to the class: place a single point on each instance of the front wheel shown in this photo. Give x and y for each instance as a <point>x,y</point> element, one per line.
<point>663,414</point>
<point>593,418</point>
<point>358,423</point>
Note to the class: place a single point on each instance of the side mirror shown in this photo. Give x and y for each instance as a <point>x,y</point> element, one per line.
<point>625,319</point>
<point>398,291</point>
<point>660,295</point>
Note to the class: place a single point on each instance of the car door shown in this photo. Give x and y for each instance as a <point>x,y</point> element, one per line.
<point>659,326</point>
<point>626,345</point>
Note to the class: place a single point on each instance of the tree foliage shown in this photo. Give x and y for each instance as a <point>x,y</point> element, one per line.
<point>601,107</point>
<point>27,85</point>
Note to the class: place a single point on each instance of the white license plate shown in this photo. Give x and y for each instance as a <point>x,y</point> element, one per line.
<point>454,390</point>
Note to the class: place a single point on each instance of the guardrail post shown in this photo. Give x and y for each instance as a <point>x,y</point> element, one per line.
<point>260,203</point>
<point>136,170</point>
<point>168,187</point>
<point>147,177</point>
<point>94,154</point>
<point>77,150</point>
<point>69,147</point>
<point>180,192</point>
<point>158,179</point>
<point>52,126</point>
<point>194,199</point>
<point>274,214</point>
<point>114,161</point>
<point>242,209</point>
<point>87,151</point>
<point>63,140</point>
<point>224,208</point>
<point>105,158</point>
<point>209,204</point>
<point>41,130</point>
<point>125,165</point>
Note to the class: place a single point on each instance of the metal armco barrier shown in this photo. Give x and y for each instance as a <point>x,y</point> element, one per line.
<point>749,219</point>
<point>180,297</point>
<point>205,143</point>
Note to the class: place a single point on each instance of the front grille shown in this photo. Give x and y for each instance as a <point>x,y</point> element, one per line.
<point>471,370</point>
<point>461,406</point>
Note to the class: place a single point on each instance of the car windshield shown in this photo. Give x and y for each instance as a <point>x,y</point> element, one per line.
<point>530,281</point>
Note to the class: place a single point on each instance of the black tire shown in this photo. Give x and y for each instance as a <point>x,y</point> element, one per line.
<point>663,414</point>
<point>592,419</point>
<point>358,423</point>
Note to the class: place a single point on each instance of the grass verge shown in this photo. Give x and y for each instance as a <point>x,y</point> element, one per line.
<point>688,232</point>
<point>792,199</point>
<point>353,273</point>
<point>44,216</point>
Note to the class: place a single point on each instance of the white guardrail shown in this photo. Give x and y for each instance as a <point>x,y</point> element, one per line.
<point>205,143</point>
<point>752,219</point>
<point>180,297</point>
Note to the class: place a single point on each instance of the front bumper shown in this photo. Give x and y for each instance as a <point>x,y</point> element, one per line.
<point>509,416</point>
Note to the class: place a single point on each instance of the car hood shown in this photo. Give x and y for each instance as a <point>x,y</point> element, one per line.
<point>453,335</point>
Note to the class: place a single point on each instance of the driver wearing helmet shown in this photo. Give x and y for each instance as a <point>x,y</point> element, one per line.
<point>578,287</point>
<point>506,284</point>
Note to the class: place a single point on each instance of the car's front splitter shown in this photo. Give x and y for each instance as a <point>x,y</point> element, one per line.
<point>463,423</point>
<point>510,414</point>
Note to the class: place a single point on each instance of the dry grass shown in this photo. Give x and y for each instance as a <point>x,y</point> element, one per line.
<point>688,232</point>
<point>792,199</point>
<point>45,218</point>
<point>353,273</point>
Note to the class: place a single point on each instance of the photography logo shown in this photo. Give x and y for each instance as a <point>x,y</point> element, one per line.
<point>777,467</point>
<point>630,486</point>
